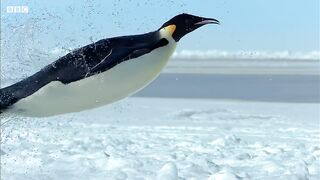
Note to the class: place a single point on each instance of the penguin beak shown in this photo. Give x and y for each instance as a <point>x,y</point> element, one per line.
<point>205,21</point>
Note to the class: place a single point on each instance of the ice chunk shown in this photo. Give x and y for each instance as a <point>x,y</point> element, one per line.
<point>2,152</point>
<point>300,170</point>
<point>272,168</point>
<point>224,175</point>
<point>115,163</point>
<point>168,172</point>
<point>226,141</point>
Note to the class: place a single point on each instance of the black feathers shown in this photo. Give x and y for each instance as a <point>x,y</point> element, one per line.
<point>82,63</point>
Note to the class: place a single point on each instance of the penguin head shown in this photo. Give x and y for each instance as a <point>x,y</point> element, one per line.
<point>183,24</point>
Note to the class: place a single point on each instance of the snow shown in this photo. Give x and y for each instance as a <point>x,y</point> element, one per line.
<point>223,175</point>
<point>244,65</point>
<point>248,54</point>
<point>150,138</point>
<point>168,172</point>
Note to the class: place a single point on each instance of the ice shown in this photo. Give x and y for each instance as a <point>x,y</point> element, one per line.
<point>218,54</point>
<point>151,138</point>
<point>168,172</point>
<point>224,175</point>
<point>115,163</point>
<point>226,141</point>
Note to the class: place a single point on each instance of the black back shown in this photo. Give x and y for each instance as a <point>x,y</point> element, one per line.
<point>82,63</point>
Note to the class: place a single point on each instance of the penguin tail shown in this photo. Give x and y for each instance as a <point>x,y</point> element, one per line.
<point>26,87</point>
<point>8,96</point>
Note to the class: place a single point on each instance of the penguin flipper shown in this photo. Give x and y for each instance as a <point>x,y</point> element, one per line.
<point>123,54</point>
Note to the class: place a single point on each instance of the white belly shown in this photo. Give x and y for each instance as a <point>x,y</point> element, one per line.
<point>118,82</point>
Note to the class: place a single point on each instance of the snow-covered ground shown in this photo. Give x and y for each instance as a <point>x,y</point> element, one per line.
<point>150,138</point>
<point>245,66</point>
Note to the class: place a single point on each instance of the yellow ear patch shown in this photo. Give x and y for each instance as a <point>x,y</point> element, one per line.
<point>170,29</point>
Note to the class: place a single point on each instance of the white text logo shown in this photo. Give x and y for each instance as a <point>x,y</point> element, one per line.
<point>17,9</point>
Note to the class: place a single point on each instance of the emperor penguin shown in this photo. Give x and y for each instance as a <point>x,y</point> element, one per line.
<point>99,73</point>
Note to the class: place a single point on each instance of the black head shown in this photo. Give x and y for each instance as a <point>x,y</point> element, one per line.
<point>186,23</point>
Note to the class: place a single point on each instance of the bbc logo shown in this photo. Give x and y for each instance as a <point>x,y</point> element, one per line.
<point>17,9</point>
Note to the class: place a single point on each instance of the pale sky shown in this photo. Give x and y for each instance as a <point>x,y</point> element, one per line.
<point>266,25</point>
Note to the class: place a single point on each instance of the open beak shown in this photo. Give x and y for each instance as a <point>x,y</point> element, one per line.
<point>207,21</point>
